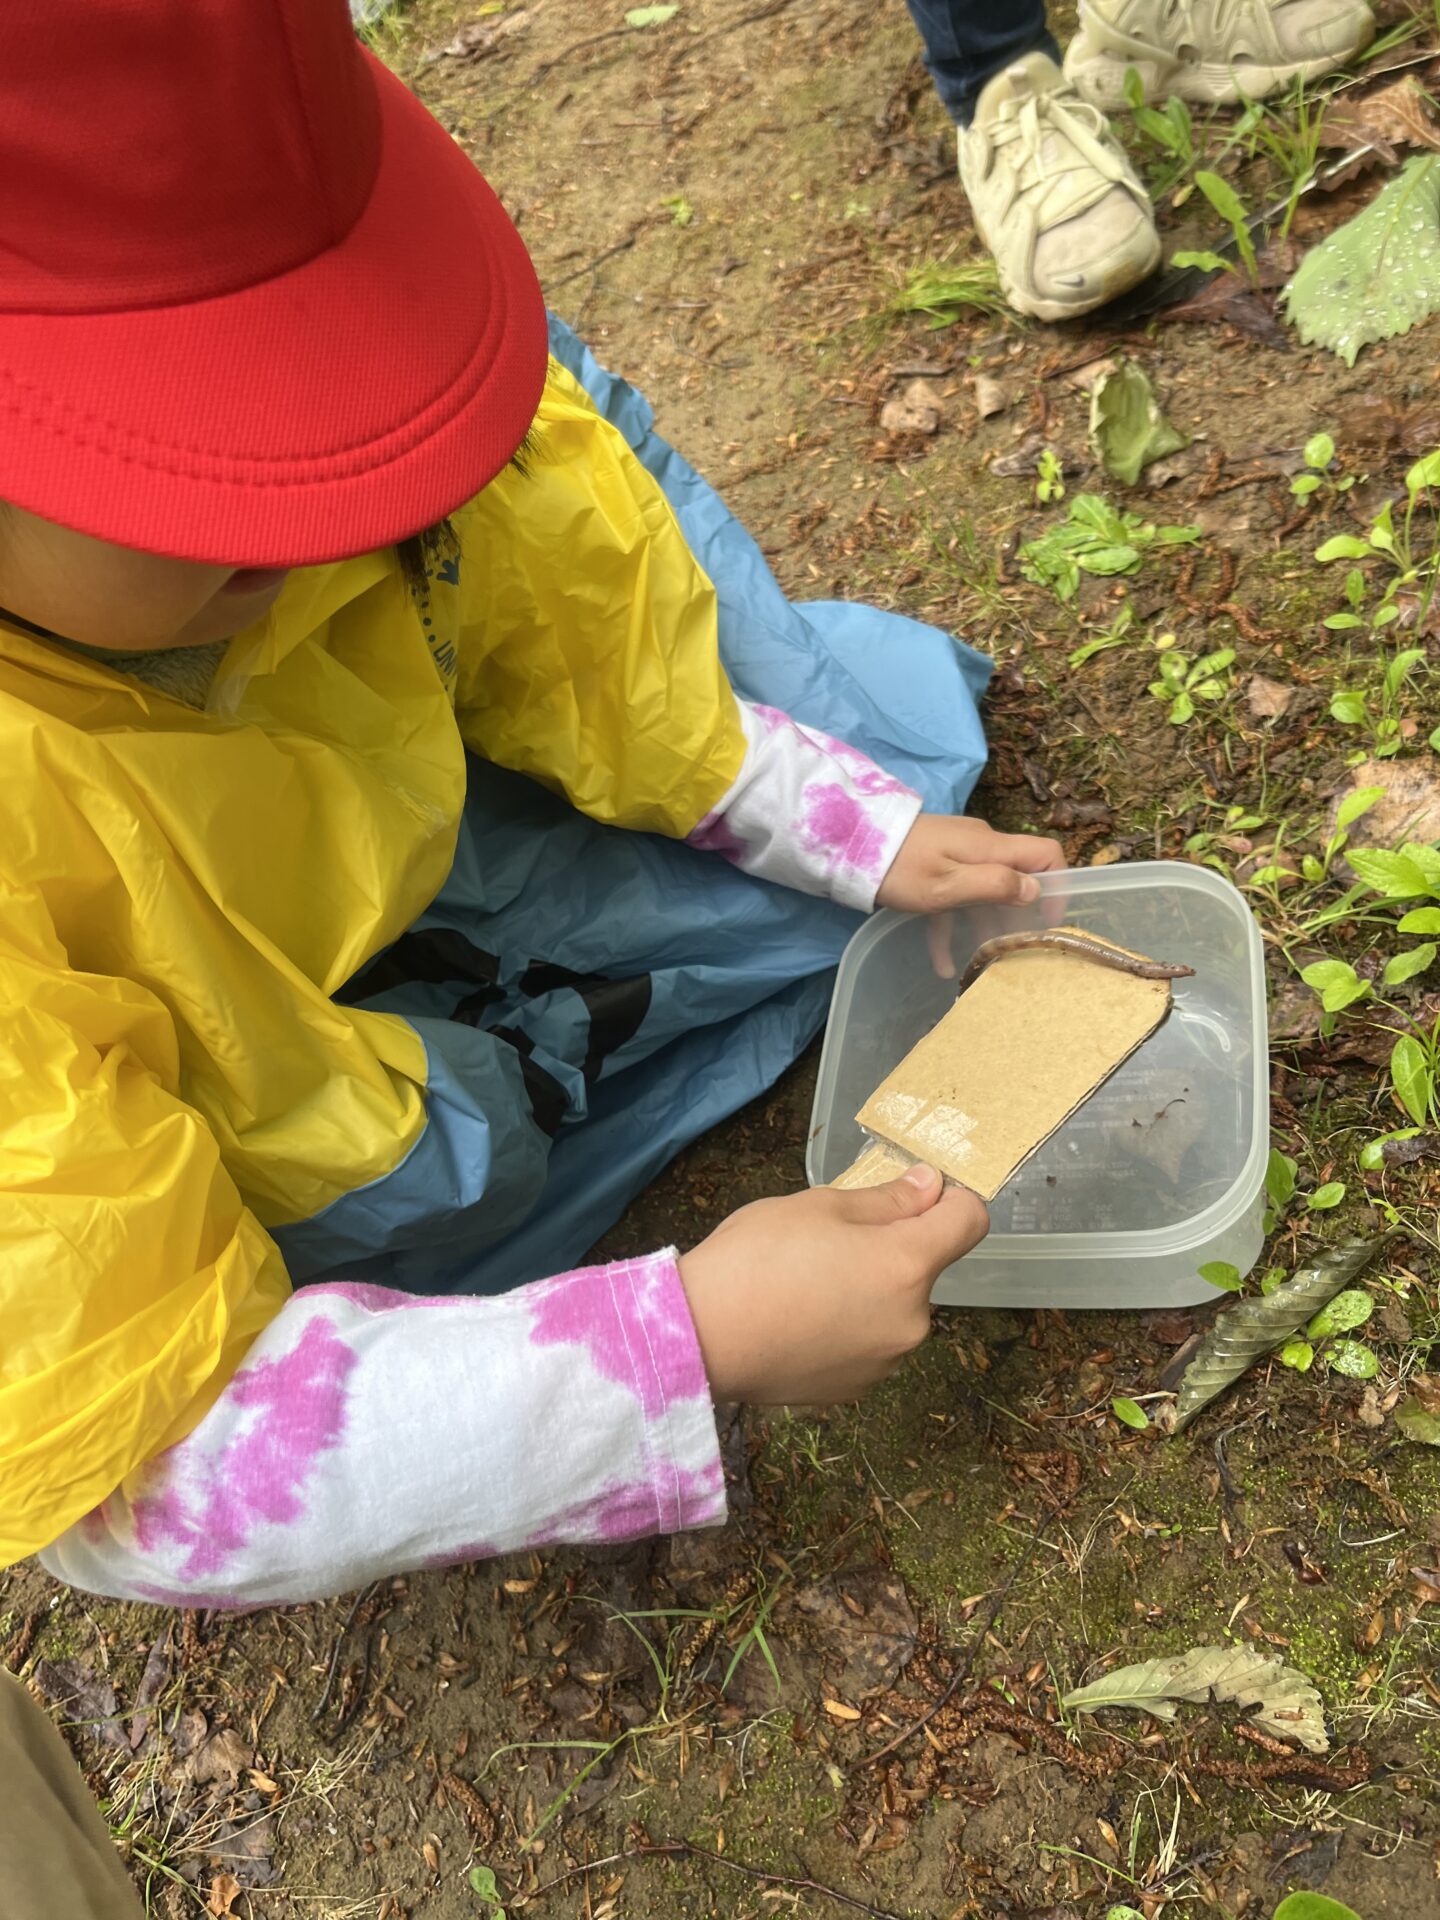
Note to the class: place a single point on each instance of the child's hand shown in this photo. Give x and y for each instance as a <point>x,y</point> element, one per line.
<point>815,1297</point>
<point>945,861</point>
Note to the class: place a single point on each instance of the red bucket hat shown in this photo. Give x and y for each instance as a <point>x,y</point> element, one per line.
<point>256,307</point>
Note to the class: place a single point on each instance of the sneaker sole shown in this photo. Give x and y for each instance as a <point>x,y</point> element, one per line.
<point>1099,76</point>
<point>1124,278</point>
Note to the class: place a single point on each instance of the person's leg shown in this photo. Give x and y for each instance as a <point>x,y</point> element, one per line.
<point>968,42</point>
<point>55,1856</point>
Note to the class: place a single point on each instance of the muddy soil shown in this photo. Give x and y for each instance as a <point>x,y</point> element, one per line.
<point>724,204</point>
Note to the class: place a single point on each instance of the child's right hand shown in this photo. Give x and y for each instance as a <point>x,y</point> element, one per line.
<point>817,1296</point>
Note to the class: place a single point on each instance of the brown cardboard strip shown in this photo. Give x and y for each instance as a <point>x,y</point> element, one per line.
<point>1014,1057</point>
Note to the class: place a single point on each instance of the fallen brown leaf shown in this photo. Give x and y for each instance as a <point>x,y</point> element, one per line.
<point>1395,116</point>
<point>224,1892</point>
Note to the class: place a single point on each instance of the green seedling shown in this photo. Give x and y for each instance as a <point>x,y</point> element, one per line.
<point>1183,681</point>
<point>1120,629</point>
<point>1169,128</point>
<point>1232,209</point>
<point>1094,538</point>
<point>1049,477</point>
<point>681,211</point>
<point>1327,1338</point>
<point>1319,456</point>
<point>1289,137</point>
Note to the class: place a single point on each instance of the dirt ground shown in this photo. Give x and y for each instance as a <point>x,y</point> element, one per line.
<point>726,205</point>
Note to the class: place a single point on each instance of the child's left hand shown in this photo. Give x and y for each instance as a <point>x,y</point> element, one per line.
<point>945,861</point>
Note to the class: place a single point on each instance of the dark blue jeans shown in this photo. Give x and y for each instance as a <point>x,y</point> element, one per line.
<point>968,42</point>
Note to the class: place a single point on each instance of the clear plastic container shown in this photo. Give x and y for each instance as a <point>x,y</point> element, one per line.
<point>1163,1169</point>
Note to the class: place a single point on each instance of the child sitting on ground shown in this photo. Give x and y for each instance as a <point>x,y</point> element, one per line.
<point>381,908</point>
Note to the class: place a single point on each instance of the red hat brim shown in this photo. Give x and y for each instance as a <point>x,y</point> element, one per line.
<point>335,408</point>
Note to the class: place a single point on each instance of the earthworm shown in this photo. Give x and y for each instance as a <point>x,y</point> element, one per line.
<point>1069,941</point>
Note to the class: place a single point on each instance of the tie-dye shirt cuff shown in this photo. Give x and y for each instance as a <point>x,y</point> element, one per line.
<point>371,1432</point>
<point>809,812</point>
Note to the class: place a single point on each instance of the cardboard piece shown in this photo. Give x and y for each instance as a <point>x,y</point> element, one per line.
<point>1016,1055</point>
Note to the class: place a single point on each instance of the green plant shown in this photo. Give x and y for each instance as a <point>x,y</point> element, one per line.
<point>1183,681</point>
<point>482,1881</point>
<point>1094,538</point>
<point>944,292</point>
<point>1378,704</point>
<point>1049,477</point>
<point>681,211</point>
<point>1327,1338</point>
<point>1289,136</point>
<point>1313,1906</point>
<point>1169,128</point>
<point>1319,453</point>
<point>1120,629</point>
<point>1395,545</point>
<point>1232,209</point>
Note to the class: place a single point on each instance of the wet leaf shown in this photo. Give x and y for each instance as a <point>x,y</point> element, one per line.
<point>1345,1312</point>
<point>1394,116</point>
<point>1131,1413</point>
<point>1353,1358</point>
<point>1289,1705</point>
<point>1127,428</point>
<point>1297,1354</point>
<point>1416,1424</point>
<point>1379,274</point>
<point>1254,1327</point>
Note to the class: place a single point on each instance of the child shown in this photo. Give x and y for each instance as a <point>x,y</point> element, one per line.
<point>291,990</point>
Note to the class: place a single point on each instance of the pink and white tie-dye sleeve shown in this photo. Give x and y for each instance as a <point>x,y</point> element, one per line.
<point>372,1432</point>
<point>809,812</point>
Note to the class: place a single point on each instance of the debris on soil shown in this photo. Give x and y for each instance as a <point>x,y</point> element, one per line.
<point>1127,428</point>
<point>1379,274</point>
<point>1254,1327</point>
<point>1289,1705</point>
<point>1394,116</point>
<point>864,1616</point>
<point>991,396</point>
<point>1268,699</point>
<point>1408,810</point>
<point>913,411</point>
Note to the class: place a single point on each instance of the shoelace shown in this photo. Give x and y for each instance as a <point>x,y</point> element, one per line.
<point>1083,128</point>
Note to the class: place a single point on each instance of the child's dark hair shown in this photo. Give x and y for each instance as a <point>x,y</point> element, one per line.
<point>422,552</point>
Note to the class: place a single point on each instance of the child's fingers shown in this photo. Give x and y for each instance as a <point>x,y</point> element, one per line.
<point>1030,852</point>
<point>1005,886</point>
<point>938,939</point>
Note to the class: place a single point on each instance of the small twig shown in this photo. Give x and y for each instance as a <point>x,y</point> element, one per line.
<point>334,1666</point>
<point>599,261</point>
<point>578,46</point>
<point>683,1849</point>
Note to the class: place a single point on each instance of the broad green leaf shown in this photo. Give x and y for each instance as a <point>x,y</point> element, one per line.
<point>1343,546</point>
<point>1312,869</point>
<point>1357,803</point>
<point>1319,451</point>
<point>1313,1906</point>
<point>1420,920</point>
<point>1132,1414</point>
<point>1271,1279</point>
<point>650,16</point>
<point>1214,663</point>
<point>1416,1424</point>
<point>1385,614</point>
<point>1426,856</point>
<point>1289,1705</point>
<point>1372,1154</point>
<point>1395,876</point>
<point>1343,1314</point>
<point>1304,484</point>
<point>1127,428</point>
<point>1379,274</point>
<point>1401,667</point>
<point>1348,708</point>
<point>1124,1913</point>
<point>1342,622</point>
<point>1201,257</point>
<point>1298,1354</point>
<point>1352,1358</point>
<point>1280,1172</point>
<point>1336,982</point>
<point>1354,586</point>
<point>482,1881</point>
<point>1183,710</point>
<point>1220,1273</point>
<point>1222,197</point>
<point>1326,1197</point>
<point>1410,1075</point>
<point>1424,473</point>
<point>1134,88</point>
<point>1382,530</point>
<point>1405,966</point>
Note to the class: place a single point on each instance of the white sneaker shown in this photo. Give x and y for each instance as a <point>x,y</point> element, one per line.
<point>1211,50</point>
<point>1054,198</point>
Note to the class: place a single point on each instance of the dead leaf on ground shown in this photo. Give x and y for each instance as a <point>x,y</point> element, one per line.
<point>246,1848</point>
<point>913,411</point>
<point>221,1759</point>
<point>1409,810</point>
<point>1021,459</point>
<point>1393,117</point>
<point>991,396</point>
<point>82,1698</point>
<point>1377,426</point>
<point>225,1890</point>
<point>1289,1704</point>
<point>1082,379</point>
<point>1227,301</point>
<point>1268,699</point>
<point>864,1625</point>
<point>481,38</point>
